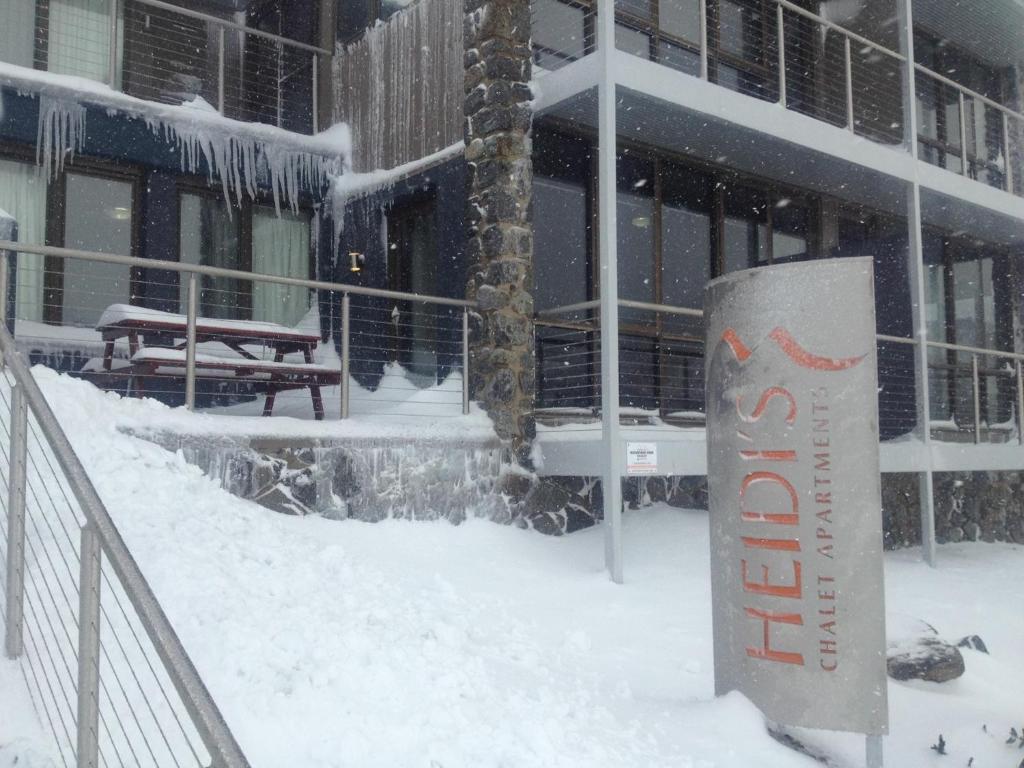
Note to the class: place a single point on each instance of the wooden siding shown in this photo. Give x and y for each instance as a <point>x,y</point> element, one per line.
<point>399,86</point>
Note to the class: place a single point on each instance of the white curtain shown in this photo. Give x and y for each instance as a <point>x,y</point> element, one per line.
<point>79,39</point>
<point>280,246</point>
<point>23,195</point>
<point>17,31</point>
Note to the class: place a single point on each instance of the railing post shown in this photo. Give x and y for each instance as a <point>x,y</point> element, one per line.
<point>89,648</point>
<point>965,165</point>
<point>220,70</point>
<point>15,597</point>
<point>848,59</point>
<point>4,291</point>
<point>280,84</point>
<point>703,4</point>
<point>782,54</point>
<point>1020,402</point>
<point>976,389</point>
<point>190,342</point>
<point>316,93</point>
<point>465,361</point>
<point>1007,154</point>
<point>115,9</point>
<point>345,356</point>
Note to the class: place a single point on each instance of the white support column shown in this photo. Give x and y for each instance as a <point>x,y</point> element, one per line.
<point>918,283</point>
<point>609,293</point>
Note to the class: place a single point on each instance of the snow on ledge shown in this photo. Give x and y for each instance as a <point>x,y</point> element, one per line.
<point>239,153</point>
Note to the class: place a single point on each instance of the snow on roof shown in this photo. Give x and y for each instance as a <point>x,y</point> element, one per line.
<point>239,153</point>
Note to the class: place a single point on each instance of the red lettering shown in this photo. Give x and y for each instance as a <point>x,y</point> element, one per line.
<point>792,517</point>
<point>766,652</point>
<point>794,590</point>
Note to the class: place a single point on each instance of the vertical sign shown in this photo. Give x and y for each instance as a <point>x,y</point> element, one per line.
<point>793,475</point>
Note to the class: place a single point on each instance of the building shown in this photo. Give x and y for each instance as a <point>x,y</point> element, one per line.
<point>536,146</point>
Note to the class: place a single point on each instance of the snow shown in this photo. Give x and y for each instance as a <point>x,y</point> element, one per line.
<point>331,644</point>
<point>241,154</point>
<point>122,313</point>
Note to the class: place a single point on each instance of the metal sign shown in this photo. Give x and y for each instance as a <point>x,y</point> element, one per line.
<point>641,458</point>
<point>794,489</point>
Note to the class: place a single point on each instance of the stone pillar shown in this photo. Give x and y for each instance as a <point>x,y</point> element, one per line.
<point>499,250</point>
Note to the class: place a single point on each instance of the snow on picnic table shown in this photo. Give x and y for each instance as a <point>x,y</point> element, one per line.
<point>332,644</point>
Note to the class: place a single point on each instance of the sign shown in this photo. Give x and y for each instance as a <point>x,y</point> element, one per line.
<point>641,458</point>
<point>794,493</point>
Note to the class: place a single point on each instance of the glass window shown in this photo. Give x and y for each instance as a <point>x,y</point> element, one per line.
<point>635,229</point>
<point>412,268</point>
<point>23,195</point>
<point>97,217</point>
<point>209,236</point>
<point>78,41</point>
<point>632,41</point>
<point>744,229</point>
<point>678,57</point>
<point>559,30</point>
<point>17,31</point>
<point>685,237</point>
<point>280,246</point>
<point>680,18</point>
<point>791,229</point>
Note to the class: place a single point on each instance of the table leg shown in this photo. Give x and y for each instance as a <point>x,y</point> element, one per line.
<point>268,404</point>
<point>108,355</point>
<point>133,343</point>
<point>318,402</point>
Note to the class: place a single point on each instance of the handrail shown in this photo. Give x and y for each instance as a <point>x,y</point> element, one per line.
<point>202,269</point>
<point>233,25</point>
<point>203,711</point>
<point>841,30</point>
<point>668,309</point>
<point>968,91</point>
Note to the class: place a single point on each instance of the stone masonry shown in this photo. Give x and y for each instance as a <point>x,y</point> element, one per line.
<point>499,182</point>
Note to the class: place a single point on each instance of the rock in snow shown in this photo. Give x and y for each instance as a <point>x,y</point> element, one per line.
<point>925,658</point>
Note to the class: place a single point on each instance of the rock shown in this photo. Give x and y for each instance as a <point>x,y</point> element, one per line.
<point>924,658</point>
<point>973,642</point>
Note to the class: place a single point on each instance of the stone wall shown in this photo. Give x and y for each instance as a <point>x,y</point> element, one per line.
<point>499,183</point>
<point>969,506</point>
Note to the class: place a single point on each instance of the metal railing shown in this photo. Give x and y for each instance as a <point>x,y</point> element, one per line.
<point>661,375</point>
<point>807,64</point>
<point>169,53</point>
<point>102,662</point>
<point>982,139</point>
<point>396,353</point>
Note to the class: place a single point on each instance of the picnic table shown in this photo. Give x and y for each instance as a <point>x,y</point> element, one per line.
<point>119,321</point>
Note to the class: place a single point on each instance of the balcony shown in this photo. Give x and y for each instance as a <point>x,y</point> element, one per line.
<point>851,77</point>
<point>167,53</point>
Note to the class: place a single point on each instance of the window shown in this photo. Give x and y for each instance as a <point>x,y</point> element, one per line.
<point>98,215</point>
<point>23,195</point>
<point>744,228</point>
<point>17,32</point>
<point>75,37</point>
<point>561,32</point>
<point>280,246</point>
<point>412,268</point>
<point>209,235</point>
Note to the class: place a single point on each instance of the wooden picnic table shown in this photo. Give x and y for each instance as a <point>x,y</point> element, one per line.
<point>272,376</point>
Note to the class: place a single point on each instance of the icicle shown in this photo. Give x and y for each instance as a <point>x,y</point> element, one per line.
<point>60,131</point>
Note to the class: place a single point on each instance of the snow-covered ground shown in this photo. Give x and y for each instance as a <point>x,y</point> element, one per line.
<point>424,644</point>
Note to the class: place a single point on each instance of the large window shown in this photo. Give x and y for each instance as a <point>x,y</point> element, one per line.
<point>98,215</point>
<point>23,195</point>
<point>412,268</point>
<point>17,31</point>
<point>210,235</point>
<point>280,246</point>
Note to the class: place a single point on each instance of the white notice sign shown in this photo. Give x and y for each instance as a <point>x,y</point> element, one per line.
<point>641,458</point>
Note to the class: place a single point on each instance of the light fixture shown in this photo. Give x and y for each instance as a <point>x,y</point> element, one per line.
<point>357,261</point>
<point>119,213</point>
<point>643,222</point>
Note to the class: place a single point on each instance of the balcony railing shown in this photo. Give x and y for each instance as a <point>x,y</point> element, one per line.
<point>977,394</point>
<point>777,51</point>
<point>168,53</point>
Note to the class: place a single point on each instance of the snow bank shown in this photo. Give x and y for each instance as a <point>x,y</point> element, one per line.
<point>331,644</point>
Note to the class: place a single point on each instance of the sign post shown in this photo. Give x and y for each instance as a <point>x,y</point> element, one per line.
<point>794,493</point>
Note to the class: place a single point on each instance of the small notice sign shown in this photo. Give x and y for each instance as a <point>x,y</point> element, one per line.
<point>641,458</point>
